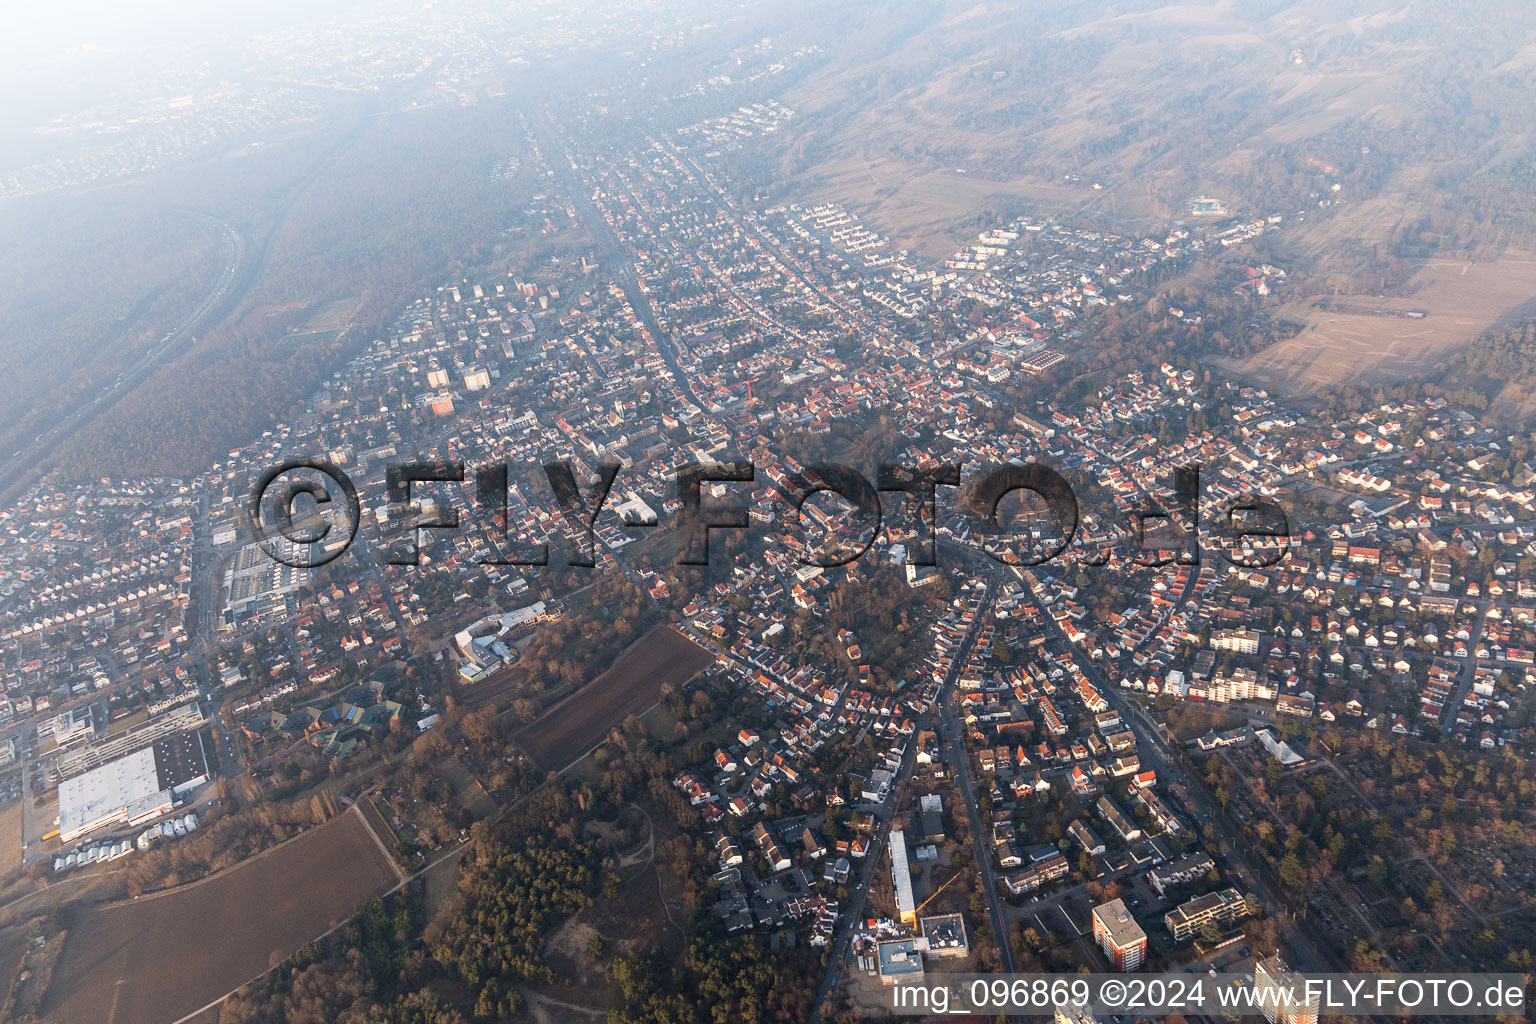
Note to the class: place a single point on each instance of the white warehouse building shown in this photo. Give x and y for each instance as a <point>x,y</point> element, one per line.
<point>132,789</point>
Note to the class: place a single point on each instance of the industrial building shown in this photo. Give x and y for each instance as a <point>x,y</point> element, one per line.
<point>83,759</point>
<point>133,789</point>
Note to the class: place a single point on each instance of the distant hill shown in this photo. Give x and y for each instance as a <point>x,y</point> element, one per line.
<point>1413,126</point>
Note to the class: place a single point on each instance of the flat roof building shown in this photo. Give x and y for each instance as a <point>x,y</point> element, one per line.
<point>878,787</point>
<point>83,759</point>
<point>1223,907</point>
<point>1271,974</point>
<point>900,961</point>
<point>901,878</point>
<point>945,936</point>
<point>70,727</point>
<point>123,791</point>
<point>1121,938</point>
<point>1180,872</point>
<point>181,762</point>
<point>132,789</point>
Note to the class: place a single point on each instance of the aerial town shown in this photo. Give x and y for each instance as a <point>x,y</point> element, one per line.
<point>955,738</point>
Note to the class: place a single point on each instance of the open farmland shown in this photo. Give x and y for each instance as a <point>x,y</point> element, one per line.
<point>1356,337</point>
<point>563,734</point>
<point>159,958</point>
<point>10,838</point>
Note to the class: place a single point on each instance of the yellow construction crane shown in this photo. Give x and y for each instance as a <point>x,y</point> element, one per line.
<point>940,889</point>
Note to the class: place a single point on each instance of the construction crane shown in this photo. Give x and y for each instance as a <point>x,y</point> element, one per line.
<point>732,387</point>
<point>940,889</point>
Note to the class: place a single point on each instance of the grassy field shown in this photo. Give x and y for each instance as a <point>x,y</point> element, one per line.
<point>324,322</point>
<point>563,735</point>
<point>157,959</point>
<point>920,208</point>
<point>468,789</point>
<point>1359,337</point>
<point>331,316</point>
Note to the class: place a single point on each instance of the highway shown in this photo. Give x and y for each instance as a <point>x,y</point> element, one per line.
<point>23,465</point>
<point>238,279</point>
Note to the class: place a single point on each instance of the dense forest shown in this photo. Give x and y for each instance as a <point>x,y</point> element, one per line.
<point>520,878</point>
<point>88,287</point>
<point>730,981</point>
<point>511,894</point>
<point>1506,356</point>
<point>1466,821</point>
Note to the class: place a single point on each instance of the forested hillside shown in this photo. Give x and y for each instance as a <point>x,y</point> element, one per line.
<point>88,287</point>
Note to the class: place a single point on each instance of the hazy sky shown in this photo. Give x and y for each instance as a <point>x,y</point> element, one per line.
<point>66,37</point>
<point>69,55</point>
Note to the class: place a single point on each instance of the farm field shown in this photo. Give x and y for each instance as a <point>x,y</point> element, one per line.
<point>157,959</point>
<point>1363,337</point>
<point>10,838</point>
<point>563,734</point>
